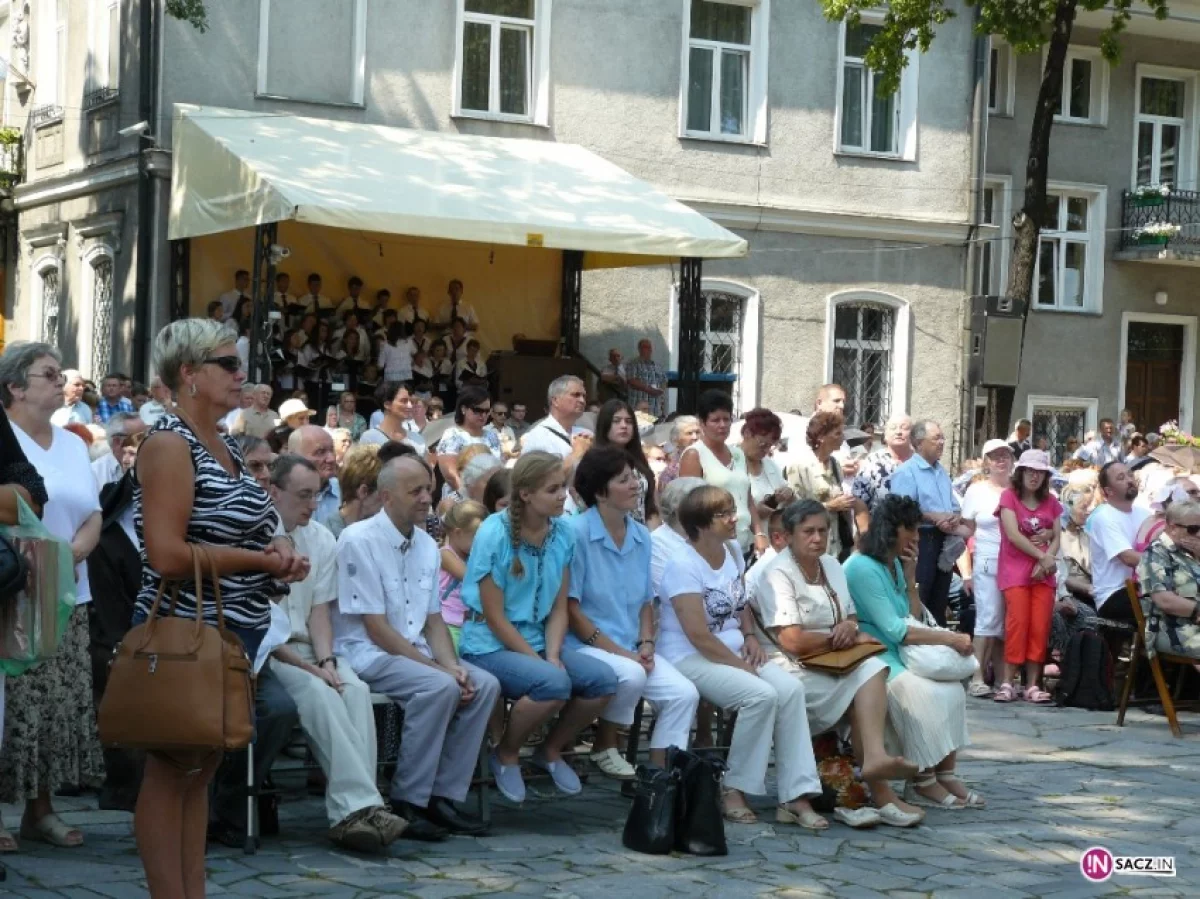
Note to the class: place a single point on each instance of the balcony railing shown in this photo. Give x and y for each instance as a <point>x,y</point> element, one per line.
<point>1167,222</point>
<point>45,115</point>
<point>101,96</point>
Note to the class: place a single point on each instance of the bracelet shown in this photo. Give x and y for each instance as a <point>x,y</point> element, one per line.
<point>321,663</point>
<point>640,643</point>
<point>591,641</point>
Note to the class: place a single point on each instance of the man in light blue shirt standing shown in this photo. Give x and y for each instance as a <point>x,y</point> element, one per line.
<point>923,479</point>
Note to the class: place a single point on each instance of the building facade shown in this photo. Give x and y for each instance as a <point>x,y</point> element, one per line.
<point>1113,322</point>
<point>858,207</point>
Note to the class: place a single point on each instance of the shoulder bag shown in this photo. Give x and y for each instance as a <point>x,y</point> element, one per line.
<point>935,662</point>
<point>828,661</point>
<point>178,684</point>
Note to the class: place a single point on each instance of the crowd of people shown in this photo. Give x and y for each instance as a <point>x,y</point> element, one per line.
<point>512,583</point>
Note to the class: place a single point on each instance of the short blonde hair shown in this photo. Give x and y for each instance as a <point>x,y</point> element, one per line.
<point>188,341</point>
<point>360,466</point>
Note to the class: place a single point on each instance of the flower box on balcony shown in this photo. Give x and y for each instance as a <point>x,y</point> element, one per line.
<point>1147,201</point>
<point>1153,240</point>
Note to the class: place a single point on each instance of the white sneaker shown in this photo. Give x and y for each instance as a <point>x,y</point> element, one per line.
<point>612,764</point>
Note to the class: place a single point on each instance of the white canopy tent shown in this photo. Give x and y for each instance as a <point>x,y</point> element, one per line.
<point>236,168</point>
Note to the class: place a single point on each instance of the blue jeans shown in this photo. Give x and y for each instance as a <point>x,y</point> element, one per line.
<point>521,675</point>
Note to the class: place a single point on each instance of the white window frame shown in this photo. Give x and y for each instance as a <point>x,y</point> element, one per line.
<point>358,58</point>
<point>901,342</point>
<point>40,268</point>
<point>50,63</point>
<point>1187,370</point>
<point>1097,198</point>
<point>756,75</point>
<point>1002,68</point>
<point>906,112</point>
<point>1186,167</point>
<point>1001,245</point>
<point>748,386</point>
<point>102,71</point>
<point>1098,113</point>
<point>1088,405</point>
<point>539,55</point>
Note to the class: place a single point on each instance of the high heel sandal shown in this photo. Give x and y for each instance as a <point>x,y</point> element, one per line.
<point>922,782</point>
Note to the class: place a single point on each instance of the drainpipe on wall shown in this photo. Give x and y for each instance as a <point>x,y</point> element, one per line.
<point>147,105</point>
<point>979,127</point>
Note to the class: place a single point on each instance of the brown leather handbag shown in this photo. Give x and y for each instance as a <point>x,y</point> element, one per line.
<point>178,684</point>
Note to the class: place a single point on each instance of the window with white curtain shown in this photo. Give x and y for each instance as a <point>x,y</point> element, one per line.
<point>1001,78</point>
<point>503,59</point>
<point>104,50</point>
<point>1069,250</point>
<point>718,68</point>
<point>1161,122</point>
<point>50,60</point>
<point>869,120</point>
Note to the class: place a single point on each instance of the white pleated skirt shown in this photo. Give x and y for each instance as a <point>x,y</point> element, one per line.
<point>927,719</point>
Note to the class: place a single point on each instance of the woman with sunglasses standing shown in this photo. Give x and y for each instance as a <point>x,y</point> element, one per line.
<point>225,509</point>
<point>471,417</point>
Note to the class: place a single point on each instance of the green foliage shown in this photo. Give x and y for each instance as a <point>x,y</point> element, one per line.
<point>1025,24</point>
<point>10,136</point>
<point>190,11</point>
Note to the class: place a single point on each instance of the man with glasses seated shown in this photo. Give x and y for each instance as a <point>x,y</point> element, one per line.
<point>1169,580</point>
<point>316,445</point>
<point>499,427</point>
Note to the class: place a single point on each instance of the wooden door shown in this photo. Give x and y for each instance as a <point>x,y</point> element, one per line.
<point>1152,392</point>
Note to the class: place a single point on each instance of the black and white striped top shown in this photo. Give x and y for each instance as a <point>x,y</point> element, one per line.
<point>226,511</point>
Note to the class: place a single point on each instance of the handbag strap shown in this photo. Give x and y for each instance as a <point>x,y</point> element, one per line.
<point>216,582</point>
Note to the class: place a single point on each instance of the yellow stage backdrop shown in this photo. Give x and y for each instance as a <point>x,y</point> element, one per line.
<point>513,289</point>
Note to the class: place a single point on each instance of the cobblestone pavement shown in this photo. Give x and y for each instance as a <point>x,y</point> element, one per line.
<point>1057,782</point>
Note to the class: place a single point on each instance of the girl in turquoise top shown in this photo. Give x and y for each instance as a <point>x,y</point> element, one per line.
<point>515,593</point>
<point>928,716</point>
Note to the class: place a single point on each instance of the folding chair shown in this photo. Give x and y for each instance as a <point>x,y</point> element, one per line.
<point>1170,703</point>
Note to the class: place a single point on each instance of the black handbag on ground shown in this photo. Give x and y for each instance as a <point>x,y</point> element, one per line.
<point>699,824</point>
<point>650,827</point>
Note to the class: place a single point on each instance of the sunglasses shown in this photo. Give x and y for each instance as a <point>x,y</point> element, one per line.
<point>481,410</point>
<point>231,364</point>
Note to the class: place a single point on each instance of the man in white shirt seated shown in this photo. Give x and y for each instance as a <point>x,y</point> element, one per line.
<point>159,403</point>
<point>334,705</point>
<point>389,628</point>
<point>315,444</point>
<point>556,433</point>
<point>1112,531</point>
<point>454,307</point>
<point>120,428</point>
<point>241,290</point>
<point>73,409</point>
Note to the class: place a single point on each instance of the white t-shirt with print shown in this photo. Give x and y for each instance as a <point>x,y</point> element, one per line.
<point>722,591</point>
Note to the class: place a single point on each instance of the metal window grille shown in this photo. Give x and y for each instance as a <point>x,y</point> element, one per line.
<point>862,360</point>
<point>722,337</point>
<point>102,303</point>
<point>50,306</point>
<point>1057,426</point>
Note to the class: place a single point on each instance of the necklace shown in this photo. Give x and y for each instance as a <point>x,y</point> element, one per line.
<point>811,581</point>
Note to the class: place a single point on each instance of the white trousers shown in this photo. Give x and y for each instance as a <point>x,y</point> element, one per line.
<point>341,731</point>
<point>770,707</point>
<point>989,601</point>
<point>673,696</point>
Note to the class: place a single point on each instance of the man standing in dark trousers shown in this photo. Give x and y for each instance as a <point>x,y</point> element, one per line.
<point>923,479</point>
<point>115,567</point>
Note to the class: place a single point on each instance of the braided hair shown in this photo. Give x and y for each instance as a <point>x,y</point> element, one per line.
<point>532,470</point>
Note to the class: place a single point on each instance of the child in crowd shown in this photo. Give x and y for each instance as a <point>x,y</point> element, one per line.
<point>1030,530</point>
<point>461,523</point>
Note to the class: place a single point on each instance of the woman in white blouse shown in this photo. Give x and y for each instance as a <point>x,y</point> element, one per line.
<point>761,431</point>
<point>979,574</point>
<point>706,631</point>
<point>804,607</point>
<point>819,476</point>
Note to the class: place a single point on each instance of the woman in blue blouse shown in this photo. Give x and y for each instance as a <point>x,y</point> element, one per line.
<point>611,615</point>
<point>929,717</point>
<point>515,592</point>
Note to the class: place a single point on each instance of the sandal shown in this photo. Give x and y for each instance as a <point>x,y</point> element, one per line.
<point>807,819</point>
<point>971,800</point>
<point>53,830</point>
<point>8,843</point>
<point>922,782</point>
<point>980,690</point>
<point>1038,696</point>
<point>740,815</point>
<point>1006,693</point>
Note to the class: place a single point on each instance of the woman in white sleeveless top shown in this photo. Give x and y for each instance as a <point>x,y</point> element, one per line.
<point>724,466</point>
